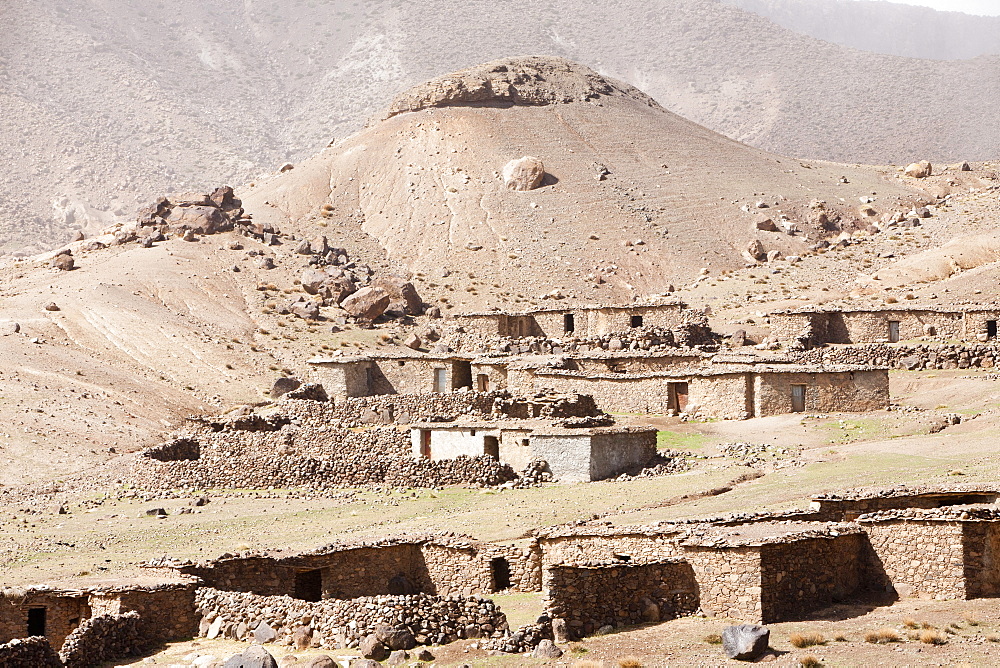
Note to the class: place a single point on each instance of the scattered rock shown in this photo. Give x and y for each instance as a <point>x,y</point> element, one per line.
<point>63,261</point>
<point>560,630</point>
<point>266,262</point>
<point>9,327</point>
<point>321,661</point>
<point>283,386</point>
<point>367,303</point>
<point>745,642</point>
<point>398,658</point>
<point>302,637</point>
<point>412,341</point>
<point>402,295</point>
<point>756,250</point>
<point>395,638</point>
<point>523,173</point>
<point>767,225</point>
<point>546,649</point>
<point>264,633</point>
<point>425,655</point>
<point>919,170</point>
<point>371,648</point>
<point>51,306</point>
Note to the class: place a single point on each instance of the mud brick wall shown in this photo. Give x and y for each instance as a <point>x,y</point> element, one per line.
<point>63,613</point>
<point>166,612</point>
<point>806,575</point>
<point>29,653</point>
<point>729,581</point>
<point>103,638</point>
<point>338,624</point>
<point>920,558</point>
<point>589,597</point>
<point>639,548</point>
<point>852,391</point>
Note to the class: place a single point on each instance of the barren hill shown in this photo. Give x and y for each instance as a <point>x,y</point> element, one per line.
<point>107,104</point>
<point>636,197</point>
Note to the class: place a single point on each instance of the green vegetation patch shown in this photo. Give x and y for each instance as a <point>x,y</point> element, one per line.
<point>674,440</point>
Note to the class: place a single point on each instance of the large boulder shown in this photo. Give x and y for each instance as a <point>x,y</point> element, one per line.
<point>199,219</point>
<point>395,638</point>
<point>367,303</point>
<point>402,295</point>
<point>523,173</point>
<point>371,648</point>
<point>256,656</point>
<point>546,649</point>
<point>63,261</point>
<point>919,170</point>
<point>321,661</point>
<point>302,637</point>
<point>312,280</point>
<point>283,386</point>
<point>264,633</point>
<point>745,642</point>
<point>756,250</point>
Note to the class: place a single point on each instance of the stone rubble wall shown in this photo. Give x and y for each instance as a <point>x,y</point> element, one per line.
<point>729,581</point>
<point>63,614</point>
<point>431,619</point>
<point>906,356</point>
<point>103,638</point>
<point>166,612</point>
<point>639,548</point>
<point>32,652</point>
<point>619,595</point>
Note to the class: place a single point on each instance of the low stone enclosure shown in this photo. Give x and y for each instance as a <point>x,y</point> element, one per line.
<point>819,326</point>
<point>641,384</point>
<point>759,568</point>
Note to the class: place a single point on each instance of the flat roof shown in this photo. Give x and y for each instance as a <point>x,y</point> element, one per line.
<point>586,307</point>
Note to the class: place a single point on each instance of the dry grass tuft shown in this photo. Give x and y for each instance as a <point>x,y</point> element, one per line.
<point>810,661</point>
<point>630,662</point>
<point>802,640</point>
<point>713,639</point>
<point>841,638</point>
<point>970,620</point>
<point>882,636</point>
<point>926,625</point>
<point>992,638</point>
<point>911,623</point>
<point>933,638</point>
<point>587,663</point>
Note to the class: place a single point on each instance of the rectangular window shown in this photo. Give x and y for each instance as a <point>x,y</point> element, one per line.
<point>440,380</point>
<point>569,323</point>
<point>991,329</point>
<point>893,331</point>
<point>636,321</point>
<point>798,398</point>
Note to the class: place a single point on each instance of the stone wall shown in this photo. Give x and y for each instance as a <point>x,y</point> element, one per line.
<point>29,653</point>
<point>849,391</point>
<point>806,575</point>
<point>638,548</point>
<point>847,508</point>
<point>103,638</point>
<point>873,326</point>
<point>342,623</point>
<point>729,581</point>
<point>166,612</point>
<point>920,558</point>
<point>617,595</point>
<point>910,357</point>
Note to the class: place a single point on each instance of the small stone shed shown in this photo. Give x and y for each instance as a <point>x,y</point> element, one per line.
<point>582,321</point>
<point>886,325</point>
<point>572,454</point>
<point>392,373</point>
<point>165,606</point>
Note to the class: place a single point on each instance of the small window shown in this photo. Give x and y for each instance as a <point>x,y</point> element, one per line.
<point>440,380</point>
<point>991,329</point>
<point>636,321</point>
<point>483,382</point>
<point>401,363</point>
<point>569,323</point>
<point>36,622</point>
<point>524,442</point>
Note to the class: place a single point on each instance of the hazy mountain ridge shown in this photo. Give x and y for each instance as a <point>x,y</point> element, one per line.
<point>111,104</point>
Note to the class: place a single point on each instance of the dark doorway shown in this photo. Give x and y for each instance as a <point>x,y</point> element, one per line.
<point>36,622</point>
<point>491,447</point>
<point>501,573</point>
<point>991,329</point>
<point>798,398</point>
<point>309,585</point>
<point>425,443</point>
<point>636,321</point>
<point>569,323</point>
<point>677,400</point>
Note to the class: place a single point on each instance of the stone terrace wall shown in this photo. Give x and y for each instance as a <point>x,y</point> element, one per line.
<point>29,653</point>
<point>920,557</point>
<point>729,581</point>
<point>589,597</point>
<point>166,612</point>
<point>101,639</point>
<point>431,619</point>
<point>806,575</point>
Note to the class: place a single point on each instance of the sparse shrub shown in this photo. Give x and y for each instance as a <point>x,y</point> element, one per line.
<point>882,636</point>
<point>810,661</point>
<point>587,664</point>
<point>954,625</point>
<point>578,649</point>
<point>933,638</point>
<point>992,638</point>
<point>891,300</point>
<point>971,621</point>
<point>630,662</point>
<point>802,640</point>
<point>713,639</point>
<point>926,625</point>
<point>911,623</point>
<point>840,638</point>
<point>950,631</point>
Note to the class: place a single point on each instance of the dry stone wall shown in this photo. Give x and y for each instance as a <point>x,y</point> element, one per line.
<point>103,638</point>
<point>338,624</point>
<point>166,612</point>
<point>909,357</point>
<point>32,652</point>
<point>618,595</point>
<point>63,613</point>
<point>920,558</point>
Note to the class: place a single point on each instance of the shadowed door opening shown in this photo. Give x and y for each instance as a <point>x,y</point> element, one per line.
<point>636,321</point>
<point>569,323</point>
<point>500,568</point>
<point>309,585</point>
<point>36,622</point>
<point>491,447</point>
<point>991,329</point>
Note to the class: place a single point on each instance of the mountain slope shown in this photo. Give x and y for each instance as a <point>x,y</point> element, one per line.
<point>107,104</point>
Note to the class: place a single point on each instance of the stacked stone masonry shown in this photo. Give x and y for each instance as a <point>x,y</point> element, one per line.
<point>103,638</point>
<point>34,652</point>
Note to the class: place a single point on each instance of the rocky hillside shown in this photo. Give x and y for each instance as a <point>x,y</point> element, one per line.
<point>108,104</point>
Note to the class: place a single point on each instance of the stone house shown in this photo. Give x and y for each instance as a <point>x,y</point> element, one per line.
<point>582,321</point>
<point>392,373</point>
<point>572,454</point>
<point>885,325</point>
